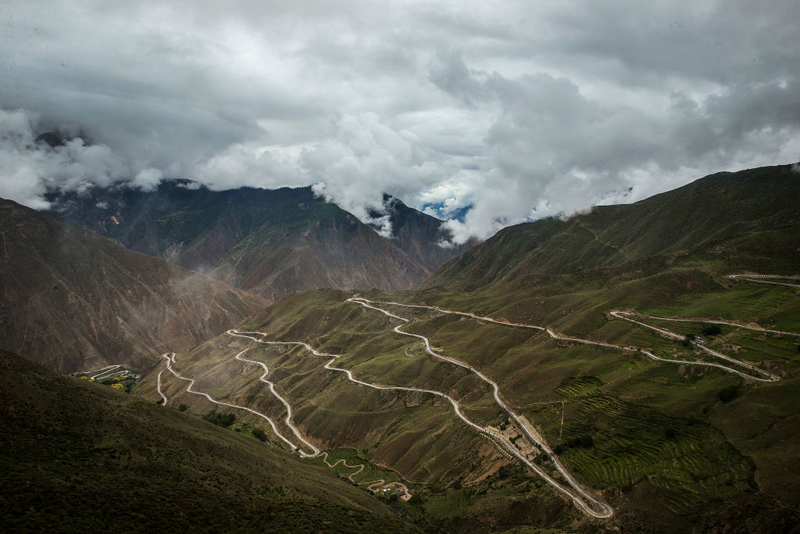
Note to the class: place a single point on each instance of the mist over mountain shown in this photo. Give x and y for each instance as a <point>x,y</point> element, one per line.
<point>269,242</point>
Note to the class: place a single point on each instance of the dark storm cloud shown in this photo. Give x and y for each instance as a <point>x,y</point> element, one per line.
<point>515,109</point>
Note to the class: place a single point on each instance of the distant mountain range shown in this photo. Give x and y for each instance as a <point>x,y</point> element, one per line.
<point>268,242</point>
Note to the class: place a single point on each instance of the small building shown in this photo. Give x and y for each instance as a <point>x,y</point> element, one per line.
<point>404,494</point>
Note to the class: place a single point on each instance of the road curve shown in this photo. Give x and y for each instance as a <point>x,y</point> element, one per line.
<point>263,378</point>
<point>769,377</point>
<point>555,335</point>
<point>171,359</point>
<point>759,279</point>
<point>158,385</point>
<point>359,467</point>
<point>578,495</point>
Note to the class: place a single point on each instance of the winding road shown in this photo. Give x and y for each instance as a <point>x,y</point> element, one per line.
<point>588,503</point>
<point>618,314</point>
<point>768,377</point>
<point>760,279</point>
<point>578,495</point>
<point>171,359</point>
<point>158,386</point>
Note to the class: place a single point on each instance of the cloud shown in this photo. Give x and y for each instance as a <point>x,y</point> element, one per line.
<point>487,114</point>
<point>29,166</point>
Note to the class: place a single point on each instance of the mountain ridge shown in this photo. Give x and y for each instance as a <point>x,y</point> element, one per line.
<point>688,220</point>
<point>269,242</point>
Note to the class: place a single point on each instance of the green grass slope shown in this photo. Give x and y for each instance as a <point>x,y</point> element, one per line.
<point>79,457</point>
<point>666,452</point>
<point>671,447</point>
<point>747,219</point>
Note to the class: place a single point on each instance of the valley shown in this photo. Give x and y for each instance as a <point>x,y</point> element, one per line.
<point>576,374</point>
<point>400,267</point>
<point>540,464</point>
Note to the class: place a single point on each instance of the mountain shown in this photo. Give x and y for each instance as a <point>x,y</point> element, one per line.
<point>269,242</point>
<point>80,457</point>
<point>73,300</point>
<point>747,219</point>
<point>421,236</point>
<point>671,437</point>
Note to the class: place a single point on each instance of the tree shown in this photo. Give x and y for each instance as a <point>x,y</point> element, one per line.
<point>728,394</point>
<point>712,330</point>
<point>224,421</point>
<point>182,407</point>
<point>259,434</point>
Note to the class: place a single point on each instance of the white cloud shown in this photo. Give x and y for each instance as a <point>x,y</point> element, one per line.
<point>29,166</point>
<point>148,179</point>
<point>509,110</point>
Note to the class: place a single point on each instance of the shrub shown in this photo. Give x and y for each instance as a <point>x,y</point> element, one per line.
<point>224,421</point>
<point>728,394</point>
<point>585,441</point>
<point>712,330</point>
<point>504,472</point>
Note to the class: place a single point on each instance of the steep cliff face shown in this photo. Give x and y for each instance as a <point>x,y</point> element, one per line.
<point>70,299</point>
<point>270,242</point>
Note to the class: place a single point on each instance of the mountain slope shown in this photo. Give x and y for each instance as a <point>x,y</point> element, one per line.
<point>268,242</point>
<point>421,236</point>
<point>730,217</point>
<point>73,300</point>
<point>82,457</point>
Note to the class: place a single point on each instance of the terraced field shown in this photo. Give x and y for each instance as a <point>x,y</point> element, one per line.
<point>691,461</point>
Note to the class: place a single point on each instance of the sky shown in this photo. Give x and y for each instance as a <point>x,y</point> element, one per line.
<point>484,114</point>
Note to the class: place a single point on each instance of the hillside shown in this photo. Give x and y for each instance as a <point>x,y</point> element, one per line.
<point>670,436</point>
<point>269,242</point>
<point>747,219</point>
<point>72,300</point>
<point>83,457</point>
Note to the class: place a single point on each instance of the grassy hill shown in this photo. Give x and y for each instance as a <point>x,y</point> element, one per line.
<point>269,242</point>
<point>671,447</point>
<point>73,300</point>
<point>743,220</point>
<point>79,457</point>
